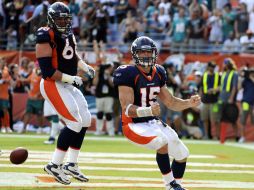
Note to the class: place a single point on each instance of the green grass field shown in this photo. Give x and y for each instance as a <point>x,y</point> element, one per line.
<point>114,163</point>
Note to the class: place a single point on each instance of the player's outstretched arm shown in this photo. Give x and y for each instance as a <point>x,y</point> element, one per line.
<point>126,97</point>
<point>85,67</point>
<point>177,104</point>
<point>44,57</point>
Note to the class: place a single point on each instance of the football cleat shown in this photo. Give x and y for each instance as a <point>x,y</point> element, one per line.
<point>73,170</point>
<point>51,140</point>
<point>57,172</point>
<point>174,186</point>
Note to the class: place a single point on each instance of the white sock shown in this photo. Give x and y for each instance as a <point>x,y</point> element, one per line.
<point>58,156</point>
<point>179,181</point>
<point>54,129</point>
<point>99,125</point>
<point>73,155</point>
<point>168,177</point>
<point>110,128</point>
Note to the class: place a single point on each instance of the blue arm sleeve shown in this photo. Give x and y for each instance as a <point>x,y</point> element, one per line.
<point>45,64</point>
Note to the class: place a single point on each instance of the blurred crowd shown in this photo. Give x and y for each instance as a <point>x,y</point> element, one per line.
<point>184,25</point>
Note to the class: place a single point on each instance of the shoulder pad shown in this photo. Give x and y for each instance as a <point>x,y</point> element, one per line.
<point>125,75</point>
<point>42,35</point>
<point>162,72</point>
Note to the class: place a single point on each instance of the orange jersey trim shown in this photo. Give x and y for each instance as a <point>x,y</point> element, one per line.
<point>134,137</point>
<point>149,78</point>
<point>56,100</point>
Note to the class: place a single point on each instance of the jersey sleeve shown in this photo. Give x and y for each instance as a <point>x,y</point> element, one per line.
<point>123,76</point>
<point>42,35</point>
<point>163,74</point>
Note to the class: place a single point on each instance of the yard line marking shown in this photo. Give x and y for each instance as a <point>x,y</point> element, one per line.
<point>109,155</point>
<point>8,179</point>
<point>104,168</point>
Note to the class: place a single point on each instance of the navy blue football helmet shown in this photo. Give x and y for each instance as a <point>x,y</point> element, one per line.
<point>60,18</point>
<point>144,43</point>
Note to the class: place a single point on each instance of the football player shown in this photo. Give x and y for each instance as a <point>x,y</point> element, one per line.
<point>58,59</point>
<point>139,87</point>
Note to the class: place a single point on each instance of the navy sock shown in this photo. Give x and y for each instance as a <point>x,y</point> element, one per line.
<point>77,141</point>
<point>64,139</point>
<point>163,163</point>
<point>178,169</point>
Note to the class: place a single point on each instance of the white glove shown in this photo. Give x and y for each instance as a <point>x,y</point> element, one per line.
<point>91,71</point>
<point>74,80</point>
<point>87,68</point>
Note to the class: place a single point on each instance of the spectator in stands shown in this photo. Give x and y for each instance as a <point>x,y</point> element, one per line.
<point>209,95</point>
<point>129,28</point>
<point>251,19</point>
<point>174,9</point>
<point>121,9</point>
<point>99,31</point>
<point>150,9</point>
<point>165,5</point>
<point>17,80</point>
<point>178,30</point>
<point>5,82</point>
<point>12,43</point>
<point>164,19</point>
<point>228,19</point>
<point>85,22</point>
<point>215,24</point>
<point>247,101</point>
<point>74,10</point>
<point>34,102</point>
<point>155,28</point>
<point>242,20</point>
<point>231,45</point>
<point>195,32</point>
<point>247,42</point>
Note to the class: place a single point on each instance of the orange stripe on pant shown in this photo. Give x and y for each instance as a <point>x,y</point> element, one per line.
<point>136,137</point>
<point>56,100</point>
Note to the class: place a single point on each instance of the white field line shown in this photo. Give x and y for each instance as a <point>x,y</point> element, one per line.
<point>9,179</point>
<point>133,162</point>
<point>95,168</point>
<point>109,155</point>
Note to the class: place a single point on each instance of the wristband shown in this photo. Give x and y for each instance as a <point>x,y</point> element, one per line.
<point>67,78</point>
<point>144,111</point>
<point>127,110</point>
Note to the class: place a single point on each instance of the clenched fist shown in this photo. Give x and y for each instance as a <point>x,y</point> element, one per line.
<point>194,100</point>
<point>156,110</point>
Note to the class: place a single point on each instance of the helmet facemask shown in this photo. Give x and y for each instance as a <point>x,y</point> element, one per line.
<point>144,60</point>
<point>60,22</point>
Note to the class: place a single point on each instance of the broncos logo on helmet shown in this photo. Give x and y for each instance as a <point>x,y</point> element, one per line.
<point>59,18</point>
<point>144,44</point>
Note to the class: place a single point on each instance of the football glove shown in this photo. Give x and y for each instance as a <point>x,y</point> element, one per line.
<point>74,80</point>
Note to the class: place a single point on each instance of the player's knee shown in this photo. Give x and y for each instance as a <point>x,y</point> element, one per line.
<point>100,115</point>
<point>109,116</point>
<point>183,153</point>
<point>163,149</point>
